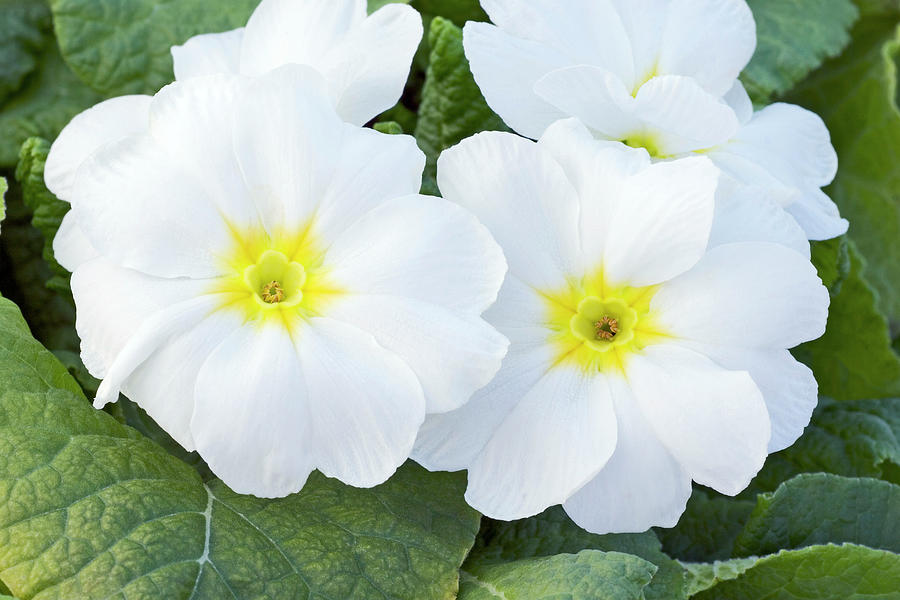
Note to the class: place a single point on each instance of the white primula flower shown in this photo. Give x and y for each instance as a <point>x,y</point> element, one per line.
<point>364,59</point>
<point>658,74</point>
<point>263,279</point>
<point>641,356</point>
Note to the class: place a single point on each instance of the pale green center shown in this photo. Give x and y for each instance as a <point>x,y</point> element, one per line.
<point>603,324</point>
<point>275,280</point>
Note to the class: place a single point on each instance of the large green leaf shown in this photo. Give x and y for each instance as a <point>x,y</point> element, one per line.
<point>24,25</point>
<point>122,46</point>
<point>708,527</point>
<point>821,508</point>
<point>793,38</point>
<point>846,572</point>
<point>856,96</point>
<point>91,509</point>
<point>458,11</point>
<point>452,105</point>
<point>588,575</point>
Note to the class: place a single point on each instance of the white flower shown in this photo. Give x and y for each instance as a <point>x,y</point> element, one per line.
<point>263,279</point>
<point>658,74</point>
<point>364,59</point>
<point>642,354</point>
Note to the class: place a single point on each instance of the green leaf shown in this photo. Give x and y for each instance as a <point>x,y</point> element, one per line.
<point>49,100</point>
<point>829,572</point>
<point>376,4</point>
<point>23,25</point>
<point>856,96</point>
<point>832,261</point>
<point>389,127</point>
<point>793,38</point>
<point>3,187</point>
<point>452,105</point>
<point>458,11</point>
<point>122,46</point>
<point>707,528</point>
<point>588,575</point>
<point>553,532</point>
<point>91,508</point>
<point>702,576</point>
<point>854,359</point>
<point>821,508</point>
<point>47,210</point>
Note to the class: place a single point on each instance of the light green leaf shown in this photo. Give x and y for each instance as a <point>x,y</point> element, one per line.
<point>829,572</point>
<point>707,528</point>
<point>832,261</point>
<point>3,187</point>
<point>122,46</point>
<point>553,532</point>
<point>458,11</point>
<point>452,105</point>
<point>854,359</point>
<point>588,575</point>
<point>702,576</point>
<point>793,38</point>
<point>856,96</point>
<point>24,25</point>
<point>374,5</point>
<point>92,509</point>
<point>821,508</point>
<point>389,127</point>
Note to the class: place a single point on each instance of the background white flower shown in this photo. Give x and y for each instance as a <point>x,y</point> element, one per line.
<point>263,279</point>
<point>642,356</point>
<point>658,74</point>
<point>364,59</point>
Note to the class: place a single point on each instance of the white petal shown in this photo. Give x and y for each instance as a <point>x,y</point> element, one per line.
<point>523,197</point>
<point>506,68</point>
<point>251,420</point>
<point>558,437</point>
<point>739,101</point>
<point>365,402</point>
<point>106,122</point>
<point>641,486</point>
<point>209,54</point>
<point>679,116</point>
<point>753,214</point>
<point>71,248</point>
<point>282,32</point>
<point>451,354</point>
<point>368,72</point>
<point>144,211</point>
<point>788,387</point>
<point>709,40</point>
<point>661,226</point>
<point>713,421</point>
<point>748,294</point>
<point>818,215</point>
<point>594,95</point>
<point>643,21</point>
<point>422,248</point>
<point>521,312</point>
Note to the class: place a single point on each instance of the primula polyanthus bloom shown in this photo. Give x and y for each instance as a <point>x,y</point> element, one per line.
<point>657,74</point>
<point>643,354</point>
<point>364,59</point>
<point>263,279</point>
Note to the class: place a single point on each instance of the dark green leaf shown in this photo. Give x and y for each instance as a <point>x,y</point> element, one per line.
<point>458,11</point>
<point>24,26</point>
<point>708,527</point>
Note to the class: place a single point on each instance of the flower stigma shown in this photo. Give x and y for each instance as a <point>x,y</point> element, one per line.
<point>272,292</point>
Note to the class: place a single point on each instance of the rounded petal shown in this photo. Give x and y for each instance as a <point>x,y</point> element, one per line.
<point>643,21</point>
<point>641,486</point>
<point>748,294</point>
<point>523,197</point>
<point>555,440</point>
<point>365,403</point>
<point>661,225</point>
<point>739,101</point>
<point>506,68</point>
<point>209,54</point>
<point>818,215</point>
<point>251,420</point>
<point>71,247</point>
<point>713,421</point>
<point>106,122</point>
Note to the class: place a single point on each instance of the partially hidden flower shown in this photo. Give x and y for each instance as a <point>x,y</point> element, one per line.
<point>263,279</point>
<point>643,354</point>
<point>657,74</point>
<point>364,59</point>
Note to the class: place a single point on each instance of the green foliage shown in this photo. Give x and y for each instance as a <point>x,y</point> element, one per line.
<point>374,5</point>
<point>3,187</point>
<point>452,106</point>
<point>23,25</point>
<point>389,127</point>
<point>458,11</point>
<point>793,38</point>
<point>587,575</point>
<point>708,527</point>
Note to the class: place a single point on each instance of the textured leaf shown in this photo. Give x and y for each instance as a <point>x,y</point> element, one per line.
<point>122,46</point>
<point>821,508</point>
<point>855,95</point>
<point>24,25</point>
<point>588,575</point>
<point>3,187</point>
<point>92,509</point>
<point>829,572</point>
<point>702,576</point>
<point>793,38</point>
<point>458,11</point>
<point>708,527</point>
<point>832,261</point>
<point>553,532</point>
<point>452,105</point>
<point>854,359</point>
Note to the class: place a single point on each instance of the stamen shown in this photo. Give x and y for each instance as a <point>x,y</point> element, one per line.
<point>272,293</point>
<point>607,328</point>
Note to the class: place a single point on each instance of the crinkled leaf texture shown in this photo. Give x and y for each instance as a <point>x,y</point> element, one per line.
<point>91,509</point>
<point>23,25</point>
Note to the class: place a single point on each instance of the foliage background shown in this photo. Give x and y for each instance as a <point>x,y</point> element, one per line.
<point>104,505</point>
